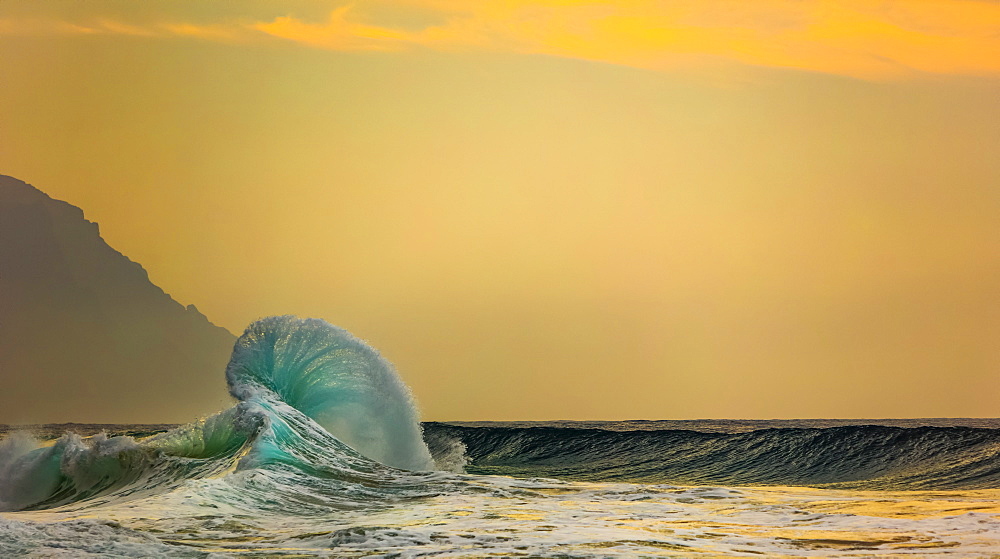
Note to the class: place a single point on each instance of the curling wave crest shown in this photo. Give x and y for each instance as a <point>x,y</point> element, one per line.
<point>323,420</point>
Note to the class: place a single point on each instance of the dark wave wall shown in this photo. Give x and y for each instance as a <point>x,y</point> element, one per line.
<point>848,457</point>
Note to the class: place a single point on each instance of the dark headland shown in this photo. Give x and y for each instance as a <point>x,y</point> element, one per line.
<point>82,328</point>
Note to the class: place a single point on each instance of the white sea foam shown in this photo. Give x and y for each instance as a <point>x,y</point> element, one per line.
<point>490,516</point>
<point>81,538</point>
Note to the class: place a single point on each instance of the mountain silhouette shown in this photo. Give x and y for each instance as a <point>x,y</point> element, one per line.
<point>84,335</point>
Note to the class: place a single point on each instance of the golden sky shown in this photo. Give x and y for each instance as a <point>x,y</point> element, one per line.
<point>552,209</point>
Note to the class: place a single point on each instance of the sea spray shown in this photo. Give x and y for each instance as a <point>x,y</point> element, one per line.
<point>337,380</point>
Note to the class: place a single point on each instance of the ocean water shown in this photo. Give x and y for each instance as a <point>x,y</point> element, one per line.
<point>323,456</point>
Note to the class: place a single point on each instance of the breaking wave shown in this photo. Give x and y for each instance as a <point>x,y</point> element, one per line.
<point>323,421</point>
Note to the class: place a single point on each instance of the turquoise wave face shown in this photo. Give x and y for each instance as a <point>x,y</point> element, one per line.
<point>323,421</point>
<point>335,379</point>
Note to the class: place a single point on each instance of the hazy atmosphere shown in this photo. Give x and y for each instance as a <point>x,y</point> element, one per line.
<point>551,210</point>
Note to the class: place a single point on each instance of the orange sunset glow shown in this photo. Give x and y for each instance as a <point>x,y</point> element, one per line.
<point>552,209</point>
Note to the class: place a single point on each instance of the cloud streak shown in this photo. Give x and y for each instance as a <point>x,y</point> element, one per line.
<point>104,26</point>
<point>884,40</point>
<point>338,33</point>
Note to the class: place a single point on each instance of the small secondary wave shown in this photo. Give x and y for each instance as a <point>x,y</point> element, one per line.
<point>850,457</point>
<point>39,475</point>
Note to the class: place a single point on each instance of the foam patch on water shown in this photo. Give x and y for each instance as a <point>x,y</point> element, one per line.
<point>81,538</point>
<point>473,516</point>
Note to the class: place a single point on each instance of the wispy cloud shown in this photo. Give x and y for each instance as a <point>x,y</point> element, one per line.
<point>340,32</point>
<point>210,32</point>
<point>42,27</point>
<point>854,38</point>
<point>872,40</point>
